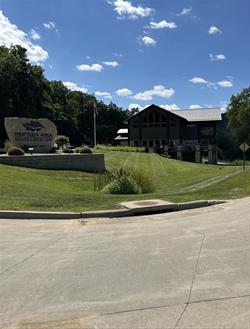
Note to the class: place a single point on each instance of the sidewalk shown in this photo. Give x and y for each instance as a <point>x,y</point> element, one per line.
<point>133,208</point>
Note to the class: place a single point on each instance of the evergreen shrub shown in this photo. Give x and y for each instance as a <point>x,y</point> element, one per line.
<point>15,151</point>
<point>67,150</point>
<point>83,149</point>
<point>124,181</point>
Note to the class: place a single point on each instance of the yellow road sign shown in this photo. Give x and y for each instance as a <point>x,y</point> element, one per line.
<point>244,147</point>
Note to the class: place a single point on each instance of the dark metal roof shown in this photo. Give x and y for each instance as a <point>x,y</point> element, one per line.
<point>196,115</point>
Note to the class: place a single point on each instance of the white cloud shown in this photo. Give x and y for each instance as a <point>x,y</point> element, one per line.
<point>113,64</point>
<point>213,30</point>
<point>225,83</point>
<point>126,9</point>
<point>34,35</point>
<point>170,107</point>
<point>219,57</point>
<point>163,25</point>
<point>124,92</point>
<point>135,106</point>
<point>11,35</point>
<point>222,83</point>
<point>195,107</point>
<point>223,106</point>
<point>103,94</point>
<point>93,67</point>
<point>148,41</point>
<point>73,86</point>
<point>199,80</point>
<point>118,54</point>
<point>185,11</point>
<point>50,25</point>
<point>158,90</point>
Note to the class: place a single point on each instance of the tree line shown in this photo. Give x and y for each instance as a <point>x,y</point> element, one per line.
<point>25,92</point>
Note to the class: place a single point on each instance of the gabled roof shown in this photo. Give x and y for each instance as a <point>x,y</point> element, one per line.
<point>199,114</point>
<point>122,131</point>
<point>121,138</point>
<point>206,114</point>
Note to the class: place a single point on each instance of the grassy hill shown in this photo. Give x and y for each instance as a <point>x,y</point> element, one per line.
<point>23,188</point>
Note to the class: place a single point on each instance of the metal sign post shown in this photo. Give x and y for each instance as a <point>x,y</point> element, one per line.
<point>244,147</point>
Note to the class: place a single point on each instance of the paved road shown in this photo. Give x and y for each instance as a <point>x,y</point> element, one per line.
<point>188,269</point>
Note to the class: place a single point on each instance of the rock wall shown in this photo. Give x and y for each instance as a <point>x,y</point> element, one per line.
<point>82,162</point>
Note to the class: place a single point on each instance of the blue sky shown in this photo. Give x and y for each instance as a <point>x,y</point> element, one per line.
<point>179,54</point>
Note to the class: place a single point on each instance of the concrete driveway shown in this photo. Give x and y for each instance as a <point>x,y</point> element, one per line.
<point>188,269</point>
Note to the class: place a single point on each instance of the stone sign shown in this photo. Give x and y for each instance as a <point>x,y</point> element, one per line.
<point>36,133</point>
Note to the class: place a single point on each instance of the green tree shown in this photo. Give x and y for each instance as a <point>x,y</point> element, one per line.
<point>21,85</point>
<point>25,92</point>
<point>238,114</point>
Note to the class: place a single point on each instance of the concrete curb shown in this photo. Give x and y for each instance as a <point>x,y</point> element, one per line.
<point>150,210</point>
<point>8,214</point>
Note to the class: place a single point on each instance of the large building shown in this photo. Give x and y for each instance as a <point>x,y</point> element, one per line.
<point>183,134</point>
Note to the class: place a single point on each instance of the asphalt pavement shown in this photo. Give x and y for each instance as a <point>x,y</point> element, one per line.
<point>187,269</point>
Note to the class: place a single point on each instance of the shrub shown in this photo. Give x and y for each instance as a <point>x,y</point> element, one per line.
<point>120,148</point>
<point>122,185</point>
<point>61,140</point>
<point>121,180</point>
<point>67,150</point>
<point>15,151</point>
<point>7,145</point>
<point>143,181</point>
<point>83,149</point>
<point>102,180</point>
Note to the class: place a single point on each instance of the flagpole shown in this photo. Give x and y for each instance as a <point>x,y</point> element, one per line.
<point>94,124</point>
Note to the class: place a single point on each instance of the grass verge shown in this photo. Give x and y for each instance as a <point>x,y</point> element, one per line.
<point>33,189</point>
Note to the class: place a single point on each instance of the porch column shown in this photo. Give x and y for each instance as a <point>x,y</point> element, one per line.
<point>179,152</point>
<point>197,153</point>
<point>212,154</point>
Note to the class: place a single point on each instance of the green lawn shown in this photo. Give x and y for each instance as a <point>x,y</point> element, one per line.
<point>23,188</point>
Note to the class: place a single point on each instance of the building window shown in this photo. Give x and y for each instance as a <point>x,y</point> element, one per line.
<point>136,143</point>
<point>150,143</point>
<point>144,143</point>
